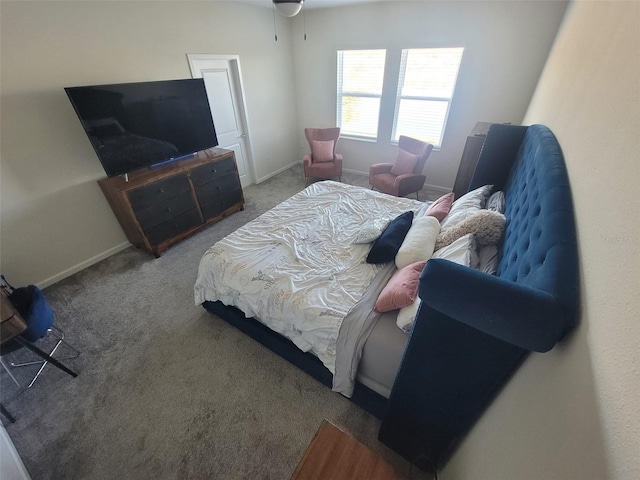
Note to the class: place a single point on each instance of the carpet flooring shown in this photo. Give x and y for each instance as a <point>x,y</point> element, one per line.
<point>165,389</point>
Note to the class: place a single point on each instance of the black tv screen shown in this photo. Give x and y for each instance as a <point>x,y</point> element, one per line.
<point>137,125</point>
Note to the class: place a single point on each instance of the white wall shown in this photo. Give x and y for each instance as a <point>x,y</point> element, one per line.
<point>574,413</point>
<point>11,465</point>
<point>506,44</point>
<point>54,217</point>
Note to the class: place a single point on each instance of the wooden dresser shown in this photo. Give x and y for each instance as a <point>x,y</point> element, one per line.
<point>159,206</point>
<point>470,155</point>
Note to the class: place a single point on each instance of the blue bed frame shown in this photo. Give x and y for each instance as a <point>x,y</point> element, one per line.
<point>473,330</point>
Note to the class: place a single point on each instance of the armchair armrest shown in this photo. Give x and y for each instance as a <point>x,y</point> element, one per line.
<point>306,160</point>
<point>378,168</point>
<point>527,318</point>
<point>338,161</point>
<point>409,183</point>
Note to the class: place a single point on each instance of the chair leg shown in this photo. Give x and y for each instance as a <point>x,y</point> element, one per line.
<point>44,355</point>
<point>4,365</point>
<point>417,197</point>
<point>7,414</point>
<point>59,334</point>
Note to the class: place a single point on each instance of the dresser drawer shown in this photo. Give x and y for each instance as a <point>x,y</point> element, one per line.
<point>219,187</point>
<point>212,171</point>
<point>166,209</point>
<point>221,203</point>
<point>173,227</point>
<point>156,192</point>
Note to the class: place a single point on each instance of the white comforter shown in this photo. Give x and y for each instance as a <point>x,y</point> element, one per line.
<point>295,267</point>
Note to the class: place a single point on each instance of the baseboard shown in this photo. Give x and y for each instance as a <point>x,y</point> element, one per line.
<point>357,172</point>
<point>273,174</point>
<point>82,265</point>
<point>437,188</point>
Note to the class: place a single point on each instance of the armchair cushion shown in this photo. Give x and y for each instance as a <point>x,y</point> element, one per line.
<point>322,151</point>
<point>405,163</point>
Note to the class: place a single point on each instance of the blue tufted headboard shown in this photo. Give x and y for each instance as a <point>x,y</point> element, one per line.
<point>473,330</point>
<point>538,249</point>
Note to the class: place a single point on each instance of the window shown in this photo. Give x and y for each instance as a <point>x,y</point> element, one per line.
<point>426,79</point>
<point>425,87</point>
<point>360,76</point>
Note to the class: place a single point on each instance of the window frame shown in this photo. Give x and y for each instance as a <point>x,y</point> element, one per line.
<point>341,93</point>
<point>391,95</point>
<point>399,97</point>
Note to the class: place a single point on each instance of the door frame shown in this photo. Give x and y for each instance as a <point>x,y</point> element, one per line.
<point>236,75</point>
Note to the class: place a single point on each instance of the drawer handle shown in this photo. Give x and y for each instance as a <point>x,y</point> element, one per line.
<point>214,171</point>
<point>169,209</point>
<point>219,187</point>
<point>162,190</point>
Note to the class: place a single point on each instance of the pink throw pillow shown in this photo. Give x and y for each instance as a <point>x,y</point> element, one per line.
<point>401,289</point>
<point>405,163</point>
<point>441,207</point>
<point>322,151</point>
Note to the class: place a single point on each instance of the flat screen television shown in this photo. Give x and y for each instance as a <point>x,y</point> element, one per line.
<point>144,124</point>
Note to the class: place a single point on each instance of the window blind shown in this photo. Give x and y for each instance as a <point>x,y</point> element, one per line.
<point>360,80</point>
<point>426,82</point>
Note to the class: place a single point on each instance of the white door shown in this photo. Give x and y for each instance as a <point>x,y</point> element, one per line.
<point>221,74</point>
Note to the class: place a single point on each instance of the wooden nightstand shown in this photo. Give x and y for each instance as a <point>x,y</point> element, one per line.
<point>334,454</point>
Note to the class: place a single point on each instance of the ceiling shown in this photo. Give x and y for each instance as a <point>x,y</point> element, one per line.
<point>311,4</point>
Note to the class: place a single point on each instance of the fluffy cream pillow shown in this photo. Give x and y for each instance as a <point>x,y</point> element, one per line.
<point>486,225</point>
<point>420,241</point>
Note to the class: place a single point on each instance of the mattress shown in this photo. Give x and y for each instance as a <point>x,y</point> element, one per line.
<point>382,355</point>
<point>296,269</point>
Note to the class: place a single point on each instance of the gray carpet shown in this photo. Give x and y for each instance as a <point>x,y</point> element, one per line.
<point>165,389</point>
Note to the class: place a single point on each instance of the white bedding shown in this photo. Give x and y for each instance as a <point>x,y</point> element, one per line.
<point>295,267</point>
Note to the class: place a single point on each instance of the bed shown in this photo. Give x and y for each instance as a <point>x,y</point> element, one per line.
<point>297,270</point>
<point>471,328</point>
